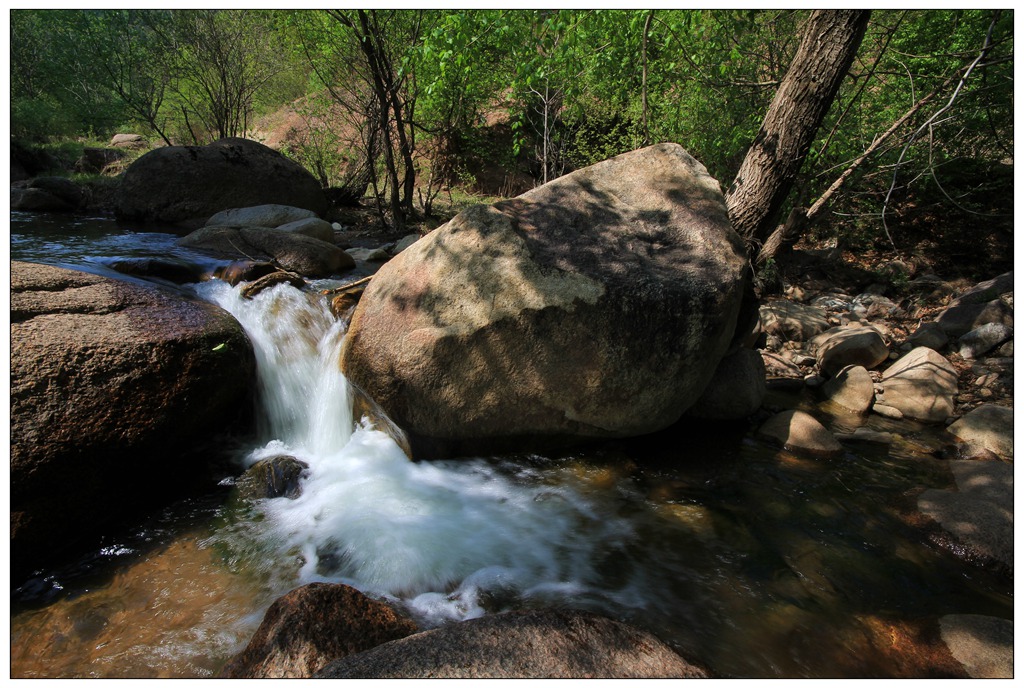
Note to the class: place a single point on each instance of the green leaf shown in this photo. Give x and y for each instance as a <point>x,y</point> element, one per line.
<point>219,347</point>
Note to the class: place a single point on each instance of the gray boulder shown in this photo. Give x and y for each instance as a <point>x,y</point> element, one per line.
<point>114,387</point>
<point>129,141</point>
<point>922,385</point>
<point>267,215</point>
<point>986,291</point>
<point>990,426</point>
<point>185,185</point>
<point>528,644</point>
<point>984,339</point>
<point>849,346</point>
<point>597,305</point>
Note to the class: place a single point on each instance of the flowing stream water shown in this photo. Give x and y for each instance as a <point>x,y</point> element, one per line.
<point>750,560</point>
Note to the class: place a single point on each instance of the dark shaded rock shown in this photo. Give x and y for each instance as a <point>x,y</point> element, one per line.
<point>507,327</point>
<point>185,185</point>
<point>38,201</point>
<point>737,389</point>
<point>111,383</point>
<point>304,255</point>
<point>96,160</point>
<point>172,270</point>
<point>962,317</point>
<point>273,279</point>
<point>244,271</point>
<point>793,322</point>
<point>277,476</point>
<point>28,162</point>
<point>986,291</point>
<point>929,334</point>
<point>527,644</point>
<point>311,626</point>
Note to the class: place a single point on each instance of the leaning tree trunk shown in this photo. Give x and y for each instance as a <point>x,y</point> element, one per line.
<point>829,43</point>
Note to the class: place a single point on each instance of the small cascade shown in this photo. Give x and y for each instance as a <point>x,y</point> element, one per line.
<point>450,540</point>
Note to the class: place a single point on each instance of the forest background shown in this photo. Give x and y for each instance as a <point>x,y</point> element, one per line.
<point>412,110</point>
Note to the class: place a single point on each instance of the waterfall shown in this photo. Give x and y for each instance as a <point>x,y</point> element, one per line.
<point>449,540</point>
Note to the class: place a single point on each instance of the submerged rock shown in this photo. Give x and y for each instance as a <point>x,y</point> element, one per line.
<point>988,425</point>
<point>979,514</point>
<point>982,644</point>
<point>111,383</point>
<point>527,644</point>
<point>270,478</point>
<point>597,305</point>
<point>798,431</point>
<point>311,626</point>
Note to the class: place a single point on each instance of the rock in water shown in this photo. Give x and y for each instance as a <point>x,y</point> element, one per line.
<point>597,305</point>
<point>313,625</point>
<point>114,385</point>
<point>185,185</point>
<point>527,644</point>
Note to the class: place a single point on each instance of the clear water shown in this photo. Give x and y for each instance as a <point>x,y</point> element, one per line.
<point>750,560</point>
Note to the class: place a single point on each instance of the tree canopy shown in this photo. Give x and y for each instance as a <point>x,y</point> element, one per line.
<point>431,97</point>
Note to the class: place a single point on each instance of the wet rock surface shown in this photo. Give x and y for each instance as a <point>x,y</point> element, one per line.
<point>104,372</point>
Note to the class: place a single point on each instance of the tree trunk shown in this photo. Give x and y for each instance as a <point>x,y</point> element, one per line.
<point>829,43</point>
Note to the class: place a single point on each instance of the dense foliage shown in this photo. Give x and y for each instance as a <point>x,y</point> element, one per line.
<point>406,103</point>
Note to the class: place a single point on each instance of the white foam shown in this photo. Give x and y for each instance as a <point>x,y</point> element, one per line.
<point>449,539</point>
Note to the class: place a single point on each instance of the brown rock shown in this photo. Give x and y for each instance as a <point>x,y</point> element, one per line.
<point>851,388</point>
<point>302,254</point>
<point>988,425</point>
<point>922,385</point>
<point>528,644</point>
<point>311,626</point>
<point>114,385</point>
<point>849,346</point>
<point>272,280</point>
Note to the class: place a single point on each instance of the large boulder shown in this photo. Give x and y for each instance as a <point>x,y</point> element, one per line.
<point>922,385</point>
<point>311,626</point>
<point>597,305</point>
<point>267,215</point>
<point>528,644</point>
<point>988,425</point>
<point>114,387</point>
<point>185,185</point>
